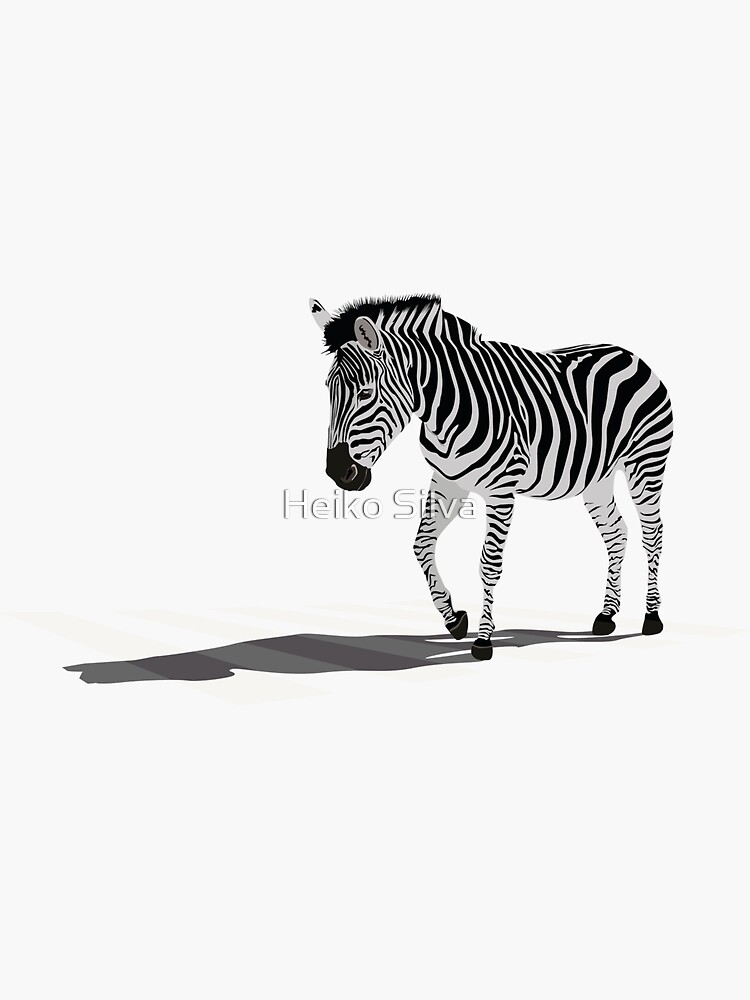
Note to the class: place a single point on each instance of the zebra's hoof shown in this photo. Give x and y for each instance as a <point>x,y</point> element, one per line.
<point>459,626</point>
<point>603,625</point>
<point>652,623</point>
<point>481,649</point>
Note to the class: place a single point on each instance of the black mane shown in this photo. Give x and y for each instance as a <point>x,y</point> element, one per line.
<point>340,329</point>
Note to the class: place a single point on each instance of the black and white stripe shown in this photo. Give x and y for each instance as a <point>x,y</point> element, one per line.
<point>501,421</point>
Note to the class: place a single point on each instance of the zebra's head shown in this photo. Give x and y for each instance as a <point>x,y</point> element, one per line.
<point>371,401</point>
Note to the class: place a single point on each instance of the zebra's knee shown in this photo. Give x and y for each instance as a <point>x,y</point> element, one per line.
<point>621,533</point>
<point>652,533</point>
<point>418,549</point>
<point>422,545</point>
<point>489,573</point>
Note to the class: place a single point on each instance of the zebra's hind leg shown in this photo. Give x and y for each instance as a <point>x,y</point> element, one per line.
<point>499,514</point>
<point>441,506</point>
<point>645,483</point>
<point>600,503</point>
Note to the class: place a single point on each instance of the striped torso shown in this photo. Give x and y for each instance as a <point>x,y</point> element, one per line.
<point>546,424</point>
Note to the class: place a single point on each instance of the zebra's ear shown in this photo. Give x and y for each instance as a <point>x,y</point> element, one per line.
<point>319,314</point>
<point>367,334</point>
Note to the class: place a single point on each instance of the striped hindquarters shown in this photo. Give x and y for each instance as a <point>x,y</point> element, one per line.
<point>586,410</point>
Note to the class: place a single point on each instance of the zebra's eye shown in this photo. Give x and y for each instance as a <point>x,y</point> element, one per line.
<point>366,393</point>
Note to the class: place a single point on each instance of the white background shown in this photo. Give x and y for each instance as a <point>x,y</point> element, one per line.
<point>177,180</point>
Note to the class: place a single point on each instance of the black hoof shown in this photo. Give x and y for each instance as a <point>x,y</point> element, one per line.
<point>459,626</point>
<point>481,649</point>
<point>603,625</point>
<point>652,623</point>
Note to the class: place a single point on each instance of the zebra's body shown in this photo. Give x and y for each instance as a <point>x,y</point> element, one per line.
<point>501,421</point>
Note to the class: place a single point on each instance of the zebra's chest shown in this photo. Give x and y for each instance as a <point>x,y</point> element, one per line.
<point>476,459</point>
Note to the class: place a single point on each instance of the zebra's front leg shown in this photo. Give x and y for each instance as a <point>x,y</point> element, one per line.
<point>441,506</point>
<point>499,514</point>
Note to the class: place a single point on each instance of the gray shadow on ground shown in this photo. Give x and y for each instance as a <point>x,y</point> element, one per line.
<point>314,654</point>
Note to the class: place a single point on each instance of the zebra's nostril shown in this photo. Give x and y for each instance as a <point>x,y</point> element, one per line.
<point>350,474</point>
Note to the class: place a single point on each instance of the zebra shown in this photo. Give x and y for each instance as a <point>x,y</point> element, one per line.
<point>500,421</point>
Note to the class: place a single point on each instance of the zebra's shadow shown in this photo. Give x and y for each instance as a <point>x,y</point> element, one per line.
<point>309,653</point>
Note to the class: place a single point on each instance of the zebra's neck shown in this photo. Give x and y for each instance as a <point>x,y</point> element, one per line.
<point>427,344</point>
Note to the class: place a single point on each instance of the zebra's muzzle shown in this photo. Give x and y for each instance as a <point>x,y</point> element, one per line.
<point>344,471</point>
